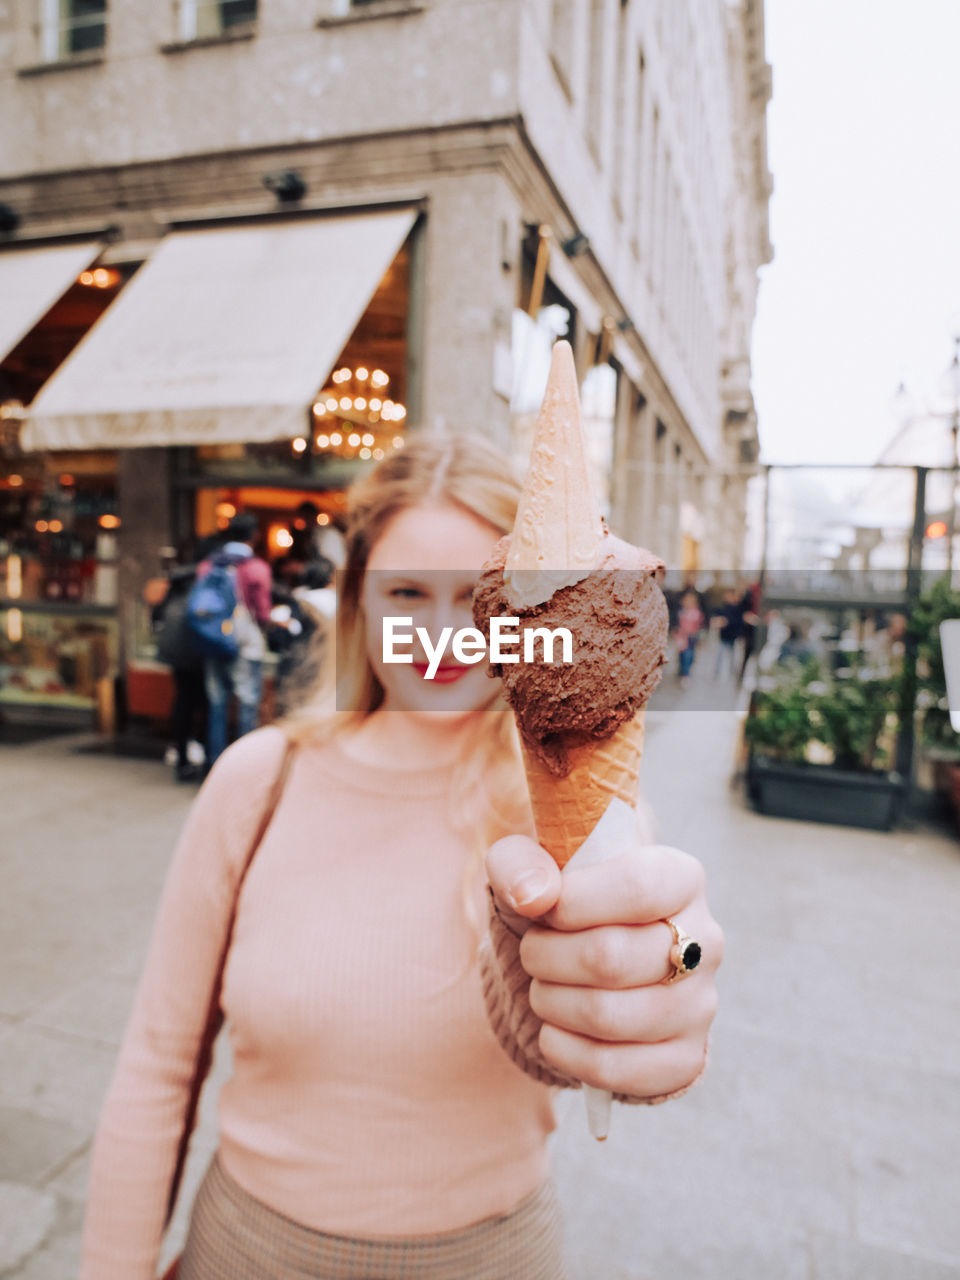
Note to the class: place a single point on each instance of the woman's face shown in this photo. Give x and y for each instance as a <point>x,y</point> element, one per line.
<point>424,567</point>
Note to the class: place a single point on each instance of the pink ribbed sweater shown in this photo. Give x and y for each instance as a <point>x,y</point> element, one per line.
<point>369,1094</point>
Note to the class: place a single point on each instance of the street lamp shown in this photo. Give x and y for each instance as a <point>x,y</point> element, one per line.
<point>952,387</point>
<point>905,411</point>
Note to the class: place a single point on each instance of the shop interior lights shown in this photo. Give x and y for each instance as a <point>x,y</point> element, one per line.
<point>100,278</point>
<point>14,577</point>
<point>355,416</point>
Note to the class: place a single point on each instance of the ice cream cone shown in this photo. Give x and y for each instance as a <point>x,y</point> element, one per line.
<point>566,809</point>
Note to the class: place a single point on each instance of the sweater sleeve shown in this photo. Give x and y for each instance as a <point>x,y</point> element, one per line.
<point>135,1147</point>
<point>506,994</point>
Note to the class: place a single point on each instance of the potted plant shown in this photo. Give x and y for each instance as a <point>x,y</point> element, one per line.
<point>821,748</point>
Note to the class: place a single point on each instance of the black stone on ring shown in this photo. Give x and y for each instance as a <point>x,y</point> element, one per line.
<point>685,954</point>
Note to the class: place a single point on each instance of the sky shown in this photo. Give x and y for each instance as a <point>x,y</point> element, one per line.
<point>864,288</point>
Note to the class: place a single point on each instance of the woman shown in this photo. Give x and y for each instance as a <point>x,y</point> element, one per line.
<point>689,625</point>
<point>373,1126</point>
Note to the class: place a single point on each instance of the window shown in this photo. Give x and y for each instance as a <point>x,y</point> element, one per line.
<point>639,150</point>
<point>596,83</point>
<point>561,42</point>
<point>70,27</point>
<point>203,19</point>
<point>622,50</point>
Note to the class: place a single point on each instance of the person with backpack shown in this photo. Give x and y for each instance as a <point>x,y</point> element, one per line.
<point>229,608</point>
<point>177,647</point>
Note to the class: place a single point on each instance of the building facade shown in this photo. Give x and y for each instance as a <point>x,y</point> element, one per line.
<point>427,189</point>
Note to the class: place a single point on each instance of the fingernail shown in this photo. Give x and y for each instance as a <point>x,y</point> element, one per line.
<point>526,888</point>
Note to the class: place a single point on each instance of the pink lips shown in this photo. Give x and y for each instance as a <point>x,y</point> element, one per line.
<point>443,675</point>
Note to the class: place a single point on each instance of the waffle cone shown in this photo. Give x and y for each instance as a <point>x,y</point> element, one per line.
<point>566,810</point>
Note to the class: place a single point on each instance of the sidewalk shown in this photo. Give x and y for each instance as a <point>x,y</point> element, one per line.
<point>818,1148</point>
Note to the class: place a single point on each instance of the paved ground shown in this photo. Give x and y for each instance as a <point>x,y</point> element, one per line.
<point>820,1147</point>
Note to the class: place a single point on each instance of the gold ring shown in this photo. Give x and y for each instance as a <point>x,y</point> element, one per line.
<point>685,954</point>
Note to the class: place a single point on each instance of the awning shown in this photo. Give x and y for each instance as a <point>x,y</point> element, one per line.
<point>31,281</point>
<point>225,335</point>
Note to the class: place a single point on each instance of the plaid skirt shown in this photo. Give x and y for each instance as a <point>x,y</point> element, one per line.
<point>233,1236</point>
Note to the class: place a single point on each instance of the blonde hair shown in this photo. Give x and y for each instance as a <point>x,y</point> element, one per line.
<point>488,798</point>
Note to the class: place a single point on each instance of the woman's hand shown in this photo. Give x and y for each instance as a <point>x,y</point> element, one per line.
<point>599,954</point>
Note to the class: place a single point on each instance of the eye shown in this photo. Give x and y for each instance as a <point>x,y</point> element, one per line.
<point>405,593</point>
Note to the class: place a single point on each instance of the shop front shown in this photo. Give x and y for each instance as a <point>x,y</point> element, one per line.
<point>58,510</point>
<point>255,366</point>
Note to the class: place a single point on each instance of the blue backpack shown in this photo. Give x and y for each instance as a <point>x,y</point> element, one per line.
<point>210,610</point>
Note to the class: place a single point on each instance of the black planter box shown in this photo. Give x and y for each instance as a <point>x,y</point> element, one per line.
<point>823,793</point>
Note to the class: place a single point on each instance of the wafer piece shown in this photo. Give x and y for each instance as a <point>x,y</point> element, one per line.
<point>558,530</point>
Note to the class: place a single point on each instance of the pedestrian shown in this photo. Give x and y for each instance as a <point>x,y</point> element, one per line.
<point>689,625</point>
<point>750,610</point>
<point>241,674</point>
<point>292,636</point>
<point>729,623</point>
<point>797,647</point>
<point>373,1126</point>
<point>316,588</point>
<point>312,619</point>
<point>177,647</point>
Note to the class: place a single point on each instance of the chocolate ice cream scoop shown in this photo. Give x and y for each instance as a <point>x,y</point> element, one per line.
<point>617,617</point>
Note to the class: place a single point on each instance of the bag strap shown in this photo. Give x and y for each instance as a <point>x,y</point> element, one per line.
<point>214,1013</point>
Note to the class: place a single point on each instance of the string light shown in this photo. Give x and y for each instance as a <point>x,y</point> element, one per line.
<point>15,481</point>
<point>323,442</point>
<point>336,438</point>
<point>56,526</point>
<point>109,522</point>
<point>299,445</point>
<point>353,439</point>
<point>323,518</point>
<point>365,453</point>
